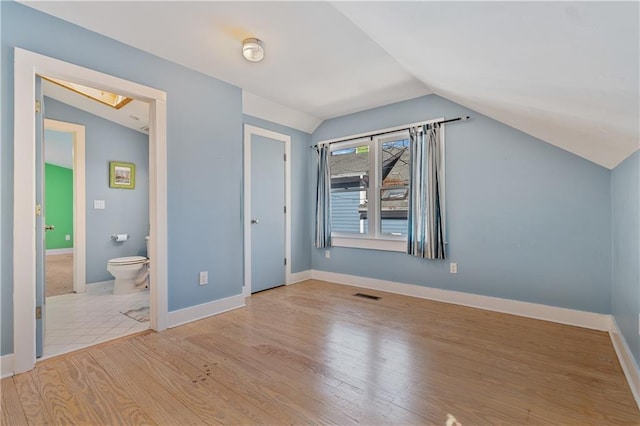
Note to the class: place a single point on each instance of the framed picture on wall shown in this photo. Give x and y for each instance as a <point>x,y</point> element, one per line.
<point>122,175</point>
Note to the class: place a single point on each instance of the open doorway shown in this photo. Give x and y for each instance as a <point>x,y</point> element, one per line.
<point>28,66</point>
<point>64,157</point>
<point>58,184</point>
<point>75,314</point>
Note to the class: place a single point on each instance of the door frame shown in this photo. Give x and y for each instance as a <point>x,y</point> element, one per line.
<point>250,131</point>
<point>27,65</point>
<point>79,197</point>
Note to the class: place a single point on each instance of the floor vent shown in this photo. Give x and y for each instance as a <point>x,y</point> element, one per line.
<point>367,296</point>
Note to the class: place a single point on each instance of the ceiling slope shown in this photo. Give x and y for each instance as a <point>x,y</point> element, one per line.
<point>316,61</point>
<point>566,73</point>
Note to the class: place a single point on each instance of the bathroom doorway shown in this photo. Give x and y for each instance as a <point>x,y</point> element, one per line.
<point>74,317</point>
<point>27,65</point>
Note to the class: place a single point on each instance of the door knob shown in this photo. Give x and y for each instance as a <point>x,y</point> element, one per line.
<point>49,227</point>
<point>254,221</point>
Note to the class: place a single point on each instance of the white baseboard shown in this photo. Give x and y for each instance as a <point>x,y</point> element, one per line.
<point>194,313</point>
<point>100,285</point>
<point>584,319</point>
<point>299,277</point>
<point>628,363</point>
<point>50,252</point>
<point>6,365</point>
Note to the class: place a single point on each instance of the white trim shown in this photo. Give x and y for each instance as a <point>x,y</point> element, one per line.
<point>6,366</point>
<point>249,131</point>
<point>584,319</point>
<point>265,109</point>
<point>369,243</point>
<point>158,242</point>
<point>627,362</point>
<point>297,277</point>
<point>26,66</point>
<point>79,197</point>
<point>55,252</point>
<point>204,310</point>
<point>100,285</point>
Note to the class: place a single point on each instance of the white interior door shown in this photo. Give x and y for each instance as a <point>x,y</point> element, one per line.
<point>267,213</point>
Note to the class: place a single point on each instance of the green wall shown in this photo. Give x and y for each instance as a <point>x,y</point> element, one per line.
<point>59,205</point>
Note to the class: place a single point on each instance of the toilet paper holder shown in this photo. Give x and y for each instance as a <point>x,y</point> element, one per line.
<point>120,237</point>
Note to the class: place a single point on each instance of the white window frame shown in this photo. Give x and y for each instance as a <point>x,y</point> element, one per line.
<point>375,239</point>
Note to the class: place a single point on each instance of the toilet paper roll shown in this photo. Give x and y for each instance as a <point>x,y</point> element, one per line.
<point>122,237</point>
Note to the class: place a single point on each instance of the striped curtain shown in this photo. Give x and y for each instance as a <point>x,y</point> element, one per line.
<point>323,199</point>
<point>425,236</point>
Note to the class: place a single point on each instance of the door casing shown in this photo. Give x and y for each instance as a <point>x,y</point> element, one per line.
<point>26,66</point>
<point>249,131</point>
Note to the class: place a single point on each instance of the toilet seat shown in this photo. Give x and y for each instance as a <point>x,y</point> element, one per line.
<point>128,260</point>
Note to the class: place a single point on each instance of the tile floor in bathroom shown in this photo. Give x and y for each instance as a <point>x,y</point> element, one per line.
<point>74,321</point>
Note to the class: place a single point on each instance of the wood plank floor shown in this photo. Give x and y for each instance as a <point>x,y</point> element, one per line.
<point>313,353</point>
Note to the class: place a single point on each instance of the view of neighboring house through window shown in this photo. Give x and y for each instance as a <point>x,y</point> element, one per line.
<point>394,191</point>
<point>369,187</point>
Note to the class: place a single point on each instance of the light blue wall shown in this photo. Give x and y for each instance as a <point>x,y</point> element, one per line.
<point>204,138</point>
<point>127,211</point>
<point>526,220</point>
<point>300,206</point>
<point>625,201</point>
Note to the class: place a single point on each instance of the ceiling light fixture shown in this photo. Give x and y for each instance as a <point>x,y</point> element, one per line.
<point>253,49</point>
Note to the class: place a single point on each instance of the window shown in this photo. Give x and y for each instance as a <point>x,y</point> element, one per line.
<point>369,192</point>
<point>107,98</point>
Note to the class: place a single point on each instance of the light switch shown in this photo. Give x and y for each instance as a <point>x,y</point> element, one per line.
<point>98,204</point>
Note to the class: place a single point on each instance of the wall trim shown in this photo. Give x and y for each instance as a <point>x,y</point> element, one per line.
<point>204,310</point>
<point>6,366</point>
<point>627,362</point>
<point>299,277</point>
<point>54,252</point>
<point>584,319</point>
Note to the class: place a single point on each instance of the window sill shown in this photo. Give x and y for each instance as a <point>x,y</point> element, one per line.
<point>370,244</point>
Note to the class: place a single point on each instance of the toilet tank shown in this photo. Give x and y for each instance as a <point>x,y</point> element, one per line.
<point>146,241</point>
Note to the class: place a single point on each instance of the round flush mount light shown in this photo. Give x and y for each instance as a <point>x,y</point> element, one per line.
<point>253,49</point>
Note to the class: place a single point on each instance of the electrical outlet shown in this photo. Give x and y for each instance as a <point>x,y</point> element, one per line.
<point>453,268</point>
<point>67,237</point>
<point>327,254</point>
<point>98,204</point>
<point>204,277</point>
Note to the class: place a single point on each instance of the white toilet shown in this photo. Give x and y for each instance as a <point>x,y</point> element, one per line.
<point>130,272</point>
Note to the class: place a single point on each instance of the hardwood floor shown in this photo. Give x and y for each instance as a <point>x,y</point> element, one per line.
<point>313,353</point>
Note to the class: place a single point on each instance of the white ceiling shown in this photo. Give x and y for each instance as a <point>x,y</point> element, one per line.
<point>566,73</point>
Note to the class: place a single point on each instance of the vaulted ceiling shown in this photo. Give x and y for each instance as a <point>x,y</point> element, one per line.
<point>566,73</point>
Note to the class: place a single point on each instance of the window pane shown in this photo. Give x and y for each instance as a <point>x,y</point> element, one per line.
<point>349,212</point>
<point>350,168</point>
<point>349,183</point>
<point>394,206</point>
<point>395,163</point>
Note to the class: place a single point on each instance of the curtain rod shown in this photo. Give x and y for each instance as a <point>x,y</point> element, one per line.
<point>463,118</point>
